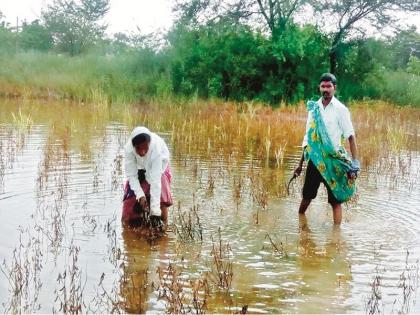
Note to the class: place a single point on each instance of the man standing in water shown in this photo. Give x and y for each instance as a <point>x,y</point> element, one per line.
<point>328,124</point>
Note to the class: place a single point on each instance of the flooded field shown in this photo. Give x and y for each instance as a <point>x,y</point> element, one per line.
<point>237,243</point>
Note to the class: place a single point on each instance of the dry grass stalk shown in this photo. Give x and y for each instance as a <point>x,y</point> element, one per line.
<point>128,294</point>
<point>279,155</point>
<point>277,247</point>
<point>187,225</point>
<point>11,144</point>
<point>69,295</point>
<point>89,220</point>
<point>107,301</point>
<point>24,277</point>
<point>237,189</point>
<point>113,249</point>
<point>221,273</point>
<point>258,191</point>
<point>373,304</point>
<point>116,172</point>
<point>95,181</point>
<point>173,289</point>
<point>409,282</point>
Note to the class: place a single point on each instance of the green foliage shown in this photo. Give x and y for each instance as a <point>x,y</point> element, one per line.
<point>7,39</point>
<point>413,65</point>
<point>217,62</point>
<point>401,87</point>
<point>35,36</point>
<point>360,74</point>
<point>300,56</point>
<point>405,44</point>
<point>75,25</point>
<point>239,64</point>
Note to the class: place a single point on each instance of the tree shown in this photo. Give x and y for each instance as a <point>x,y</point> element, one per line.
<point>405,44</point>
<point>413,65</point>
<point>272,15</point>
<point>121,42</point>
<point>238,63</point>
<point>348,14</point>
<point>75,26</point>
<point>2,23</point>
<point>277,13</point>
<point>7,37</point>
<point>35,36</point>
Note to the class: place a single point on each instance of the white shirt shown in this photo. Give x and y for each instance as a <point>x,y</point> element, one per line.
<point>154,162</point>
<point>337,120</point>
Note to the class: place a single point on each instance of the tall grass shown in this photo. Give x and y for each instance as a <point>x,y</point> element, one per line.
<point>237,131</point>
<point>120,78</point>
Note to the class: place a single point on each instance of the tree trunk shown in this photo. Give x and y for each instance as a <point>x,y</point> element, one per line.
<point>333,60</point>
<point>334,50</point>
<point>226,84</point>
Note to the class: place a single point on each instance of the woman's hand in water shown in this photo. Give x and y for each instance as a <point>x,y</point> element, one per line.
<point>143,203</point>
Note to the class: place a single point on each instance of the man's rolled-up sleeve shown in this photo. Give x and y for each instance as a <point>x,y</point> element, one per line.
<point>346,124</point>
<point>308,123</point>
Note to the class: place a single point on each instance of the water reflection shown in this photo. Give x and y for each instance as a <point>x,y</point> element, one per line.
<point>134,283</point>
<point>141,262</point>
<point>324,264</point>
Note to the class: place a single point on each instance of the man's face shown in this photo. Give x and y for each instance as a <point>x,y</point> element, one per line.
<point>327,89</point>
<point>142,148</point>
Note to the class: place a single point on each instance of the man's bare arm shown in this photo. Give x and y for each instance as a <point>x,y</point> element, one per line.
<point>353,147</point>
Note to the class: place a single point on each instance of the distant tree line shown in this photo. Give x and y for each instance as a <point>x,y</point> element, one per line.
<point>244,49</point>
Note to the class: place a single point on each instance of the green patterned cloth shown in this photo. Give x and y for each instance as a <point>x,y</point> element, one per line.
<point>333,164</point>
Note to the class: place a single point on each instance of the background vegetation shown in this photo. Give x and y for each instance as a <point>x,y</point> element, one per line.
<point>238,50</point>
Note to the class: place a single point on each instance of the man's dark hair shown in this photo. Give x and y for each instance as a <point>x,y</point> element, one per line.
<point>141,138</point>
<point>329,77</point>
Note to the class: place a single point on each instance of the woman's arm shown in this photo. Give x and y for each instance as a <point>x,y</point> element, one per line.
<point>155,181</point>
<point>130,165</point>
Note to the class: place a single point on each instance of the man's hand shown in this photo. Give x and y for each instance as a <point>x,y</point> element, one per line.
<point>355,168</point>
<point>298,170</point>
<point>143,203</point>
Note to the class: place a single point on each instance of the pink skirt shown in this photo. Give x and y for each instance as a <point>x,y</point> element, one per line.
<point>129,199</point>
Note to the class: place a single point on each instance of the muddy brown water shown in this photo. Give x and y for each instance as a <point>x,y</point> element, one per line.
<point>60,199</point>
